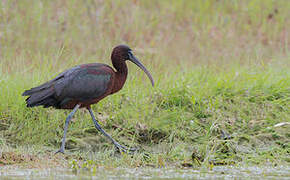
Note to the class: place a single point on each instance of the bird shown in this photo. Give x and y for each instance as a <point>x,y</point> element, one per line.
<point>85,85</point>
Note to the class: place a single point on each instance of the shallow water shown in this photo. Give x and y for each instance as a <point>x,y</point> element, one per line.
<point>220,172</point>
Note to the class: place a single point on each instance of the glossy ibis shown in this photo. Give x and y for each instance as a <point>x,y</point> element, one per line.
<point>83,85</point>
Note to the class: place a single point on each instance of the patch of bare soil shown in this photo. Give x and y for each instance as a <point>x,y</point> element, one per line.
<point>17,159</point>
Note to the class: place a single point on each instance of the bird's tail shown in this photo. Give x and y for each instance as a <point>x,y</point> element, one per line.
<point>40,96</point>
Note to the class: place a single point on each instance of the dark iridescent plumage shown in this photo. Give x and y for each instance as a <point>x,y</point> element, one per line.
<point>84,85</point>
<point>77,85</point>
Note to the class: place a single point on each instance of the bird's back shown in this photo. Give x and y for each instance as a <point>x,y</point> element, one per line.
<point>84,84</point>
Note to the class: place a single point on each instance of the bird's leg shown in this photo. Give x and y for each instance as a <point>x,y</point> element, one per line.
<point>122,148</point>
<point>69,117</point>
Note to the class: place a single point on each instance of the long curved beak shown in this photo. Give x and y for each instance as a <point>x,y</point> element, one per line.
<point>133,59</point>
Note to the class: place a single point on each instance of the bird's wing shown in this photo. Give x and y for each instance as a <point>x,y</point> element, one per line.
<point>81,83</point>
<point>48,84</point>
<point>84,83</point>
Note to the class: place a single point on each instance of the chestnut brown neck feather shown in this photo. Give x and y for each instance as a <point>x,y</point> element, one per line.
<point>121,73</point>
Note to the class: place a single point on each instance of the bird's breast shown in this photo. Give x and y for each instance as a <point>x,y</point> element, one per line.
<point>119,81</point>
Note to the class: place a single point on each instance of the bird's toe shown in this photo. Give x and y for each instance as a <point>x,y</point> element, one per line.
<point>59,151</point>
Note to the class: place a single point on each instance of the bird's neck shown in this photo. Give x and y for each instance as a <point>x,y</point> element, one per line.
<point>121,75</point>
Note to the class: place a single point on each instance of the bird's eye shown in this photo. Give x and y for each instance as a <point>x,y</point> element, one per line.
<point>130,54</point>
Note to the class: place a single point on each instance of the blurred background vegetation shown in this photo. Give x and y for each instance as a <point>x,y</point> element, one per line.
<point>221,69</point>
<point>58,34</point>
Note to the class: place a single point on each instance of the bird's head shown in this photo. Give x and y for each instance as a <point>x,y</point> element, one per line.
<point>122,53</point>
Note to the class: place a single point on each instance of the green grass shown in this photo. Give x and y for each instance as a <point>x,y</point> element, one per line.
<point>221,70</point>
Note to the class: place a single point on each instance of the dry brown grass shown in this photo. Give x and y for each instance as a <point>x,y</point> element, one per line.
<point>59,34</point>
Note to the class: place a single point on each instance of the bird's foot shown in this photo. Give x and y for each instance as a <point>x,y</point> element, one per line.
<point>125,149</point>
<point>59,151</point>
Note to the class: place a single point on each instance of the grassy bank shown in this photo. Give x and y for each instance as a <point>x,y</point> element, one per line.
<point>221,71</point>
<point>224,116</point>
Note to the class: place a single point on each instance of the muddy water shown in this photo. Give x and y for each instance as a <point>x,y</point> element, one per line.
<point>226,172</point>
